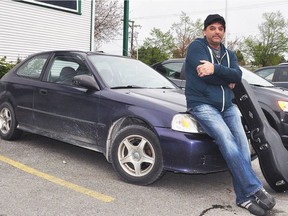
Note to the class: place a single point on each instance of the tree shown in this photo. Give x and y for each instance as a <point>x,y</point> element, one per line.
<point>158,47</point>
<point>240,57</point>
<point>234,46</point>
<point>151,55</point>
<point>108,15</point>
<point>184,32</point>
<point>269,47</point>
<point>161,40</point>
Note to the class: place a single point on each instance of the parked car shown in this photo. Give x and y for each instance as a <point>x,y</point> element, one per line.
<point>111,104</point>
<point>277,74</point>
<point>171,69</point>
<point>272,99</point>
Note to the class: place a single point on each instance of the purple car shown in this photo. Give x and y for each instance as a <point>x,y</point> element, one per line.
<point>111,104</point>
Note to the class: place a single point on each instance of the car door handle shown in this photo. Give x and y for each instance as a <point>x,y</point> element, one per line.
<point>43,91</point>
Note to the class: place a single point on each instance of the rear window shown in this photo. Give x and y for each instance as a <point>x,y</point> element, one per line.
<point>33,67</point>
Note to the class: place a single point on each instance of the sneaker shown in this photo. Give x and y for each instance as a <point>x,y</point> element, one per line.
<point>253,208</point>
<point>264,199</point>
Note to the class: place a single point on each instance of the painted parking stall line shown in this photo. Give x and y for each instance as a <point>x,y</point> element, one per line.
<point>58,181</point>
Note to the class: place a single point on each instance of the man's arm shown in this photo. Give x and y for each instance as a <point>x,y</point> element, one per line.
<point>214,74</point>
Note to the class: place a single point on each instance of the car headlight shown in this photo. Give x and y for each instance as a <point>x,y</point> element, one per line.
<point>283,105</point>
<point>185,123</point>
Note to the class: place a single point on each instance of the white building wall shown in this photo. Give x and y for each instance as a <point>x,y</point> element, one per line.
<point>27,28</point>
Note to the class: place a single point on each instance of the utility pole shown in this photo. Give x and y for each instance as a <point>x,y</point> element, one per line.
<point>125,27</point>
<point>132,26</point>
<point>226,19</point>
<point>132,33</point>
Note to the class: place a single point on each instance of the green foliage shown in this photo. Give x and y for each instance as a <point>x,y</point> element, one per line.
<point>262,54</point>
<point>151,55</point>
<point>163,41</point>
<point>5,66</point>
<point>269,47</point>
<point>240,57</point>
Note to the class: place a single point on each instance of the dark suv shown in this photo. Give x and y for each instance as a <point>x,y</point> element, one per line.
<point>272,99</point>
<point>277,74</point>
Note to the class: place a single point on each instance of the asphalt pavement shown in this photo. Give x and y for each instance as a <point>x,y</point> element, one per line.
<point>44,177</point>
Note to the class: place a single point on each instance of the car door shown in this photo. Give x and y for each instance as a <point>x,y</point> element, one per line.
<point>281,77</point>
<point>26,77</point>
<point>62,110</point>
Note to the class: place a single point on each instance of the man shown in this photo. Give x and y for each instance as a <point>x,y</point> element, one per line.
<point>211,73</point>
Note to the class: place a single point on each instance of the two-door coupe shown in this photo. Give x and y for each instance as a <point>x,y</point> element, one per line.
<point>111,104</point>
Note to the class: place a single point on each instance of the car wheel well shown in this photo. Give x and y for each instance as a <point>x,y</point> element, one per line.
<point>118,125</point>
<point>271,121</point>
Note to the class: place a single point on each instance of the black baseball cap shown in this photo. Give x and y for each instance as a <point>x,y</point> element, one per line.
<point>213,18</point>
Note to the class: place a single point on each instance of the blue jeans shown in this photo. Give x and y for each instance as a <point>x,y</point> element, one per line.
<point>227,130</point>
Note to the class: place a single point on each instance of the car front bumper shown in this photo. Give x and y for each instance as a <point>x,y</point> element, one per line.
<point>190,153</point>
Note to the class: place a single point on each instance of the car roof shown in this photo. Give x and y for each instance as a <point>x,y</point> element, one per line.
<point>81,52</point>
<point>273,66</point>
<point>75,51</point>
<point>174,60</point>
<point>180,60</point>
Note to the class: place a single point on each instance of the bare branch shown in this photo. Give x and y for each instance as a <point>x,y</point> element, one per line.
<point>108,16</point>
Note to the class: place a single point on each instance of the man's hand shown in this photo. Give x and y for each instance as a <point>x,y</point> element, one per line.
<point>231,85</point>
<point>204,69</point>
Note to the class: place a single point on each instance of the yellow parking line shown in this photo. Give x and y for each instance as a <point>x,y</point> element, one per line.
<point>56,180</point>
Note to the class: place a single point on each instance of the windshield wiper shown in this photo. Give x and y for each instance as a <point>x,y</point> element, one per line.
<point>164,87</point>
<point>261,85</point>
<point>140,87</point>
<point>127,87</point>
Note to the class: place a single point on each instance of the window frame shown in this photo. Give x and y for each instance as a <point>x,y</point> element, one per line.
<point>58,61</point>
<point>267,73</point>
<point>20,69</point>
<point>77,10</point>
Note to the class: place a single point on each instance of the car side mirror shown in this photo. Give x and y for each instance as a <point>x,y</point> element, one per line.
<point>86,81</point>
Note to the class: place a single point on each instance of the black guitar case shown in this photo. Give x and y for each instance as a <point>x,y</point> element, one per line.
<point>272,155</point>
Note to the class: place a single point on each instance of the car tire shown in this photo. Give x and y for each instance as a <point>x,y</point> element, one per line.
<point>137,156</point>
<point>8,122</point>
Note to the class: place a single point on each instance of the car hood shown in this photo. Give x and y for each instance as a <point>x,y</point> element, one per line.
<point>274,91</point>
<point>268,97</point>
<point>165,99</point>
<point>156,106</point>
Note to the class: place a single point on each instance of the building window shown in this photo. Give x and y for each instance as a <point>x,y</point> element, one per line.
<point>65,5</point>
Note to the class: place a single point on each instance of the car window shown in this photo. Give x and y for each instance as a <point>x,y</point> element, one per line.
<point>172,69</point>
<point>282,75</point>
<point>33,67</point>
<point>266,73</point>
<point>64,68</point>
<point>254,79</point>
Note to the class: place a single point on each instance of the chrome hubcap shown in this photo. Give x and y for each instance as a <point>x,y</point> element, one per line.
<point>136,155</point>
<point>5,121</point>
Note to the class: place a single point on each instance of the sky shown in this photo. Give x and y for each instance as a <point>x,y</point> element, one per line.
<point>242,16</point>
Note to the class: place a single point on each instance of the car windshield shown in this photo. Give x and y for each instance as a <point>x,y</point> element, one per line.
<point>121,72</point>
<point>254,79</point>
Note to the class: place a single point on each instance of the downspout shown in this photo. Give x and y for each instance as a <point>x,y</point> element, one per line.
<point>92,26</point>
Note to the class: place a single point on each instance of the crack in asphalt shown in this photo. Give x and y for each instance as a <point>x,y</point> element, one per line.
<point>227,207</point>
